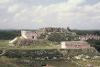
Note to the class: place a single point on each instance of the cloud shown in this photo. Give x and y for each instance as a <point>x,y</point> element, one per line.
<point>71,12</point>
<point>13,8</point>
<point>60,10</point>
<point>4,1</point>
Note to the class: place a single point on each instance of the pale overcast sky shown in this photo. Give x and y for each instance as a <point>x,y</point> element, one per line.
<point>32,14</point>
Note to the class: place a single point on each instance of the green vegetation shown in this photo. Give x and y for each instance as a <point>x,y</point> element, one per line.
<point>35,45</point>
<point>8,34</point>
<point>15,62</point>
<point>85,63</point>
<point>44,53</point>
<point>4,43</point>
<point>84,32</point>
<point>95,43</point>
<point>25,62</point>
<point>57,37</point>
<point>34,54</point>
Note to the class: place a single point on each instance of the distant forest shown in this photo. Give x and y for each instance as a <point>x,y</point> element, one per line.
<point>84,32</point>
<point>9,34</point>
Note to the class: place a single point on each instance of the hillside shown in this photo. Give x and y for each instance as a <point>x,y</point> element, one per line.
<point>46,49</point>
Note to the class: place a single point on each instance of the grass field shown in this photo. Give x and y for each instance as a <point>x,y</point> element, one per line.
<point>4,43</point>
<point>24,62</point>
<point>16,62</point>
<point>36,45</point>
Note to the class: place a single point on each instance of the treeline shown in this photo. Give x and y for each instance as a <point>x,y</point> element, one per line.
<point>9,34</point>
<point>84,32</point>
<point>95,43</point>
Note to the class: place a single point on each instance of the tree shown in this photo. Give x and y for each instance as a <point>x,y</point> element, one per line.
<point>57,37</point>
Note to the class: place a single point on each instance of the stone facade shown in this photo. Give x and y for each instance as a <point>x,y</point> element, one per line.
<point>30,35</point>
<point>75,45</point>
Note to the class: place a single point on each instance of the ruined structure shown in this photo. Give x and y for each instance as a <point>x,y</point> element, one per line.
<point>75,45</point>
<point>89,37</point>
<point>43,34</point>
<point>30,35</point>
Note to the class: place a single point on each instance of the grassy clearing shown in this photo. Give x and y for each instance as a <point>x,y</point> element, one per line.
<point>11,62</point>
<point>16,62</point>
<point>4,43</point>
<point>34,46</point>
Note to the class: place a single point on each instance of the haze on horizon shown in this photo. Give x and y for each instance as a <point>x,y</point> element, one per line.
<point>32,14</point>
